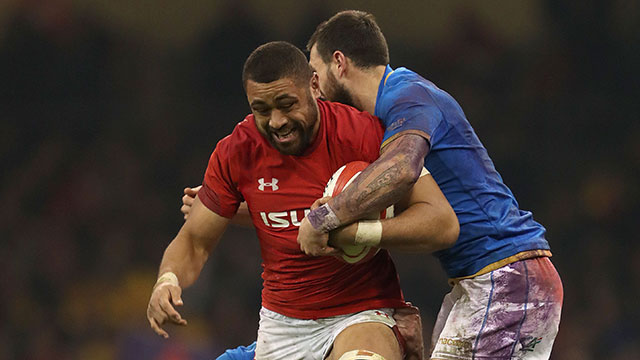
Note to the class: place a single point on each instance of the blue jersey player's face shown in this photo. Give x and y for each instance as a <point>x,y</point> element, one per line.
<point>330,88</point>
<point>286,114</point>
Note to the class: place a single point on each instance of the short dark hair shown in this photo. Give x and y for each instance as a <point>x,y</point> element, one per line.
<point>356,34</point>
<point>276,60</point>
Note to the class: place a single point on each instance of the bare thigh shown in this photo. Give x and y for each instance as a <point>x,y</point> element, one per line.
<point>375,337</point>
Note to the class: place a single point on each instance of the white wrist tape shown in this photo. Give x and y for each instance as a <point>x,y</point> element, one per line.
<point>369,233</point>
<point>167,278</point>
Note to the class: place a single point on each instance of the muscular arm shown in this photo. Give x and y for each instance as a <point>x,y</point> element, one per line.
<point>242,217</point>
<point>426,222</point>
<point>181,265</point>
<point>379,185</point>
<point>187,253</point>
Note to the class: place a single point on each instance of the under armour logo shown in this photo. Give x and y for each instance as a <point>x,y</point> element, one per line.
<point>273,184</point>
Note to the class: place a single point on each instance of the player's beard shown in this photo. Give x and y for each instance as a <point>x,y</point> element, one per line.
<point>304,133</point>
<point>336,92</point>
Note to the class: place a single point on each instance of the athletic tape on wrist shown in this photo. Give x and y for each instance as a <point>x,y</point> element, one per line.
<point>324,219</point>
<point>168,278</point>
<point>369,232</point>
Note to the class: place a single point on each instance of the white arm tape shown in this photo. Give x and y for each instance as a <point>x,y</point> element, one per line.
<point>369,233</point>
<point>167,278</point>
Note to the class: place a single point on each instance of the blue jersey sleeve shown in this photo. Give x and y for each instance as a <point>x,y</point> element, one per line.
<point>239,353</point>
<point>409,108</point>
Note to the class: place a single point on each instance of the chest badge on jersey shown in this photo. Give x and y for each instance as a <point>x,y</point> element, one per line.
<point>273,184</point>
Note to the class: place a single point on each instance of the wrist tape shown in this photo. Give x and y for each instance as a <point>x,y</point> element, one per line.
<point>369,233</point>
<point>324,219</point>
<point>168,278</point>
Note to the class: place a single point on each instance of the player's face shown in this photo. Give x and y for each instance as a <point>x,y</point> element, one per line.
<point>330,88</point>
<point>286,114</point>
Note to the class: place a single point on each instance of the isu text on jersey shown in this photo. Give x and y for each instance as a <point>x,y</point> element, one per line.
<point>283,219</point>
<point>279,189</point>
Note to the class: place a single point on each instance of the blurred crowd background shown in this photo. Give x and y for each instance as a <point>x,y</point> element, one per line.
<point>108,109</point>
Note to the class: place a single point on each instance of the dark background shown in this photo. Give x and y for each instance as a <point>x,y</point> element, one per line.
<point>109,108</point>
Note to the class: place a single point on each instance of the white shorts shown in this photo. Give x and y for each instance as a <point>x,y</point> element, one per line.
<point>510,313</point>
<point>286,338</point>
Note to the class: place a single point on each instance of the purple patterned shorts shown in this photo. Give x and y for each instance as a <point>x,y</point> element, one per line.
<point>510,313</point>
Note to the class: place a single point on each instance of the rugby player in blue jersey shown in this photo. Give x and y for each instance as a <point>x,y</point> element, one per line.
<point>507,296</point>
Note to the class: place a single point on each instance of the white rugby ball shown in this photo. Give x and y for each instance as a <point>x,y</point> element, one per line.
<point>342,178</point>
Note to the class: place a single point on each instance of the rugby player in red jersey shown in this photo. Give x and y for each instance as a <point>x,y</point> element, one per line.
<point>278,160</point>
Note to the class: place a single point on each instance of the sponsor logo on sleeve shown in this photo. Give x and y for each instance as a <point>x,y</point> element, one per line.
<point>396,124</point>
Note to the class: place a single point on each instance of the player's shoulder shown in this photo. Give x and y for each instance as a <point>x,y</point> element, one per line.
<point>406,83</point>
<point>242,140</point>
<point>349,127</point>
<point>345,115</point>
<point>244,134</point>
<point>406,77</point>
<point>407,87</point>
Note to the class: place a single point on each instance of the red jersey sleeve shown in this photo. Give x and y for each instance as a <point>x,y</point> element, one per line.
<point>219,191</point>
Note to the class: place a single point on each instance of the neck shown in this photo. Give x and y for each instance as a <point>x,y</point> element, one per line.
<point>314,133</point>
<point>364,84</point>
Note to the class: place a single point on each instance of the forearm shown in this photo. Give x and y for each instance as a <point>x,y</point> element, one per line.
<point>424,222</point>
<point>381,184</point>
<point>435,230</point>
<point>184,259</point>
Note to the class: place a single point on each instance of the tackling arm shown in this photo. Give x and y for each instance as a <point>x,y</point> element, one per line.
<point>426,222</point>
<point>379,185</point>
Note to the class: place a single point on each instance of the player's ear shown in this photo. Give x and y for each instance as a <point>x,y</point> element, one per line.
<point>314,84</point>
<point>339,61</point>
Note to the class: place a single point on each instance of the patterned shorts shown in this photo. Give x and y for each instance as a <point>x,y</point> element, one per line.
<point>510,313</point>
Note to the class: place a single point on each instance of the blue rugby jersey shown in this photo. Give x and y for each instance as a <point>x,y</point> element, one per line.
<point>493,230</point>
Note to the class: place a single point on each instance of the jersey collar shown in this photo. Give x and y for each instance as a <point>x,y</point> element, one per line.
<point>383,81</point>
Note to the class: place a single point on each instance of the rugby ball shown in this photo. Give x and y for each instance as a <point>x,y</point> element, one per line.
<point>343,177</point>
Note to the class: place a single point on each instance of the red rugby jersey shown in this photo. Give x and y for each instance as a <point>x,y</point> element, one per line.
<point>279,189</point>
